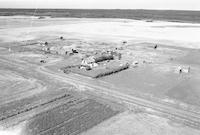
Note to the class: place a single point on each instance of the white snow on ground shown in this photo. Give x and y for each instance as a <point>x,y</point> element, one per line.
<point>180,34</point>
<point>13,131</point>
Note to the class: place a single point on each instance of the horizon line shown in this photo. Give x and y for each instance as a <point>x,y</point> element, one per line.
<point>105,9</point>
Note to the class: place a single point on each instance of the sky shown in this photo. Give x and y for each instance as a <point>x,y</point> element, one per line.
<point>104,4</point>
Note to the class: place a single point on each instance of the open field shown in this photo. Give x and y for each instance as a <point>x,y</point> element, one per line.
<point>70,119</point>
<point>21,86</point>
<point>148,76</point>
<point>130,123</point>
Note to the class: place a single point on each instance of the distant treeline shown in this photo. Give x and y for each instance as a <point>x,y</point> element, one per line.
<point>150,15</point>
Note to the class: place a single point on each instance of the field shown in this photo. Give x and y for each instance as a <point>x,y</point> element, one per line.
<point>10,81</point>
<point>70,119</point>
<point>129,123</point>
<point>53,83</point>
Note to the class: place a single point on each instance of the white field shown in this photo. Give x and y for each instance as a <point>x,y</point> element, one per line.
<point>169,33</point>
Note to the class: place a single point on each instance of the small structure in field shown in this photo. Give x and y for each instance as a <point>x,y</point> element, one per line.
<point>41,17</point>
<point>149,20</point>
<point>119,56</point>
<point>86,68</point>
<point>184,69</point>
<point>61,38</point>
<point>135,63</point>
<point>189,69</point>
<point>74,51</point>
<point>155,47</point>
<point>42,61</point>
<point>124,42</point>
<point>180,70</point>
<point>88,60</point>
<point>45,43</point>
<point>46,49</point>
